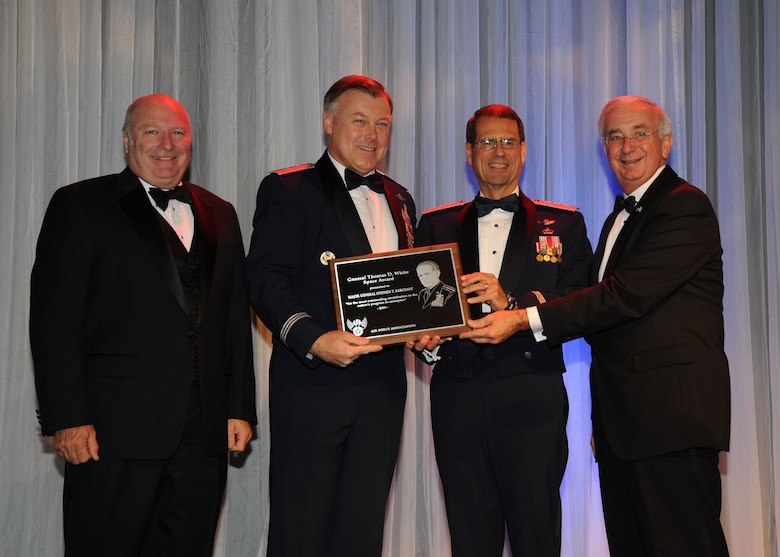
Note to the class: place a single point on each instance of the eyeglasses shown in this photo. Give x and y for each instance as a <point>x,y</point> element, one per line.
<point>488,144</point>
<point>618,139</point>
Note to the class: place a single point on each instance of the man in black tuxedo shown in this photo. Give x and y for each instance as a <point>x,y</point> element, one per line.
<point>499,412</point>
<point>337,400</point>
<point>654,319</point>
<point>141,339</point>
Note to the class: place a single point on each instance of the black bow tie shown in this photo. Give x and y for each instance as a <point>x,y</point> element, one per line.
<point>485,205</point>
<point>162,197</point>
<point>627,203</point>
<point>373,181</point>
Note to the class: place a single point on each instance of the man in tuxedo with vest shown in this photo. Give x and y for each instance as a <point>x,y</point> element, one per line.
<point>499,412</point>
<point>337,400</point>
<point>141,339</point>
<point>654,319</point>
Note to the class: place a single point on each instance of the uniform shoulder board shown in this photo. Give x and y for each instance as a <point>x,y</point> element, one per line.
<point>554,205</point>
<point>290,169</point>
<point>456,204</point>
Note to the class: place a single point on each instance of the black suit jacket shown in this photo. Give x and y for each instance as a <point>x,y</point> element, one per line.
<point>110,335</point>
<point>659,373</point>
<point>521,273</point>
<point>304,217</point>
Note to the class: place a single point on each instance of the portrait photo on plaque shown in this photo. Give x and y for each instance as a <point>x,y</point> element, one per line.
<point>401,295</point>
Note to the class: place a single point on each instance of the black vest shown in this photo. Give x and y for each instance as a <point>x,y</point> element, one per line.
<point>188,267</point>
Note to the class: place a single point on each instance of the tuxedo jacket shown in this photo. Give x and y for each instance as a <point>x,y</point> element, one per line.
<point>659,374</point>
<point>304,218</point>
<point>111,339</point>
<point>524,272</point>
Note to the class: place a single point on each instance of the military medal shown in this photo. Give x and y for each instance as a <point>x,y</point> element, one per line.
<point>408,227</point>
<point>549,248</point>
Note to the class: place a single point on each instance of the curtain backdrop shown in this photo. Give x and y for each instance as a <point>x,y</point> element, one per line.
<point>252,75</point>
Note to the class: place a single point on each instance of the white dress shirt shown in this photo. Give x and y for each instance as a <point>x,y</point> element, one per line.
<point>179,215</point>
<point>492,234</point>
<point>375,214</point>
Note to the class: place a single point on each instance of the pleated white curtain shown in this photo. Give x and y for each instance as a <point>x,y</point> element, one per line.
<point>252,75</point>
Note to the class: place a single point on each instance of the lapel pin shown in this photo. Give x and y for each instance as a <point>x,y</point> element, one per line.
<point>326,256</point>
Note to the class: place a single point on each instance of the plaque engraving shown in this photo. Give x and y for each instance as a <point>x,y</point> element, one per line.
<point>401,295</point>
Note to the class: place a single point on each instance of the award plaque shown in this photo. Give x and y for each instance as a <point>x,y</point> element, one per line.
<point>400,295</point>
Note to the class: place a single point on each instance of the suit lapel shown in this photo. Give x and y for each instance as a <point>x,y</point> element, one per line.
<point>517,243</point>
<point>342,204</point>
<point>206,235</point>
<point>135,204</point>
<point>403,224</point>
<point>468,245</point>
<point>666,180</point>
<point>624,233</point>
<point>599,255</point>
<point>468,239</point>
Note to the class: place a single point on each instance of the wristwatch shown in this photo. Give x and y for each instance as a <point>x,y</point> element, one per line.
<point>511,301</point>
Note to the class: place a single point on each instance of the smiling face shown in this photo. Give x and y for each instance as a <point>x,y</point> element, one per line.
<point>157,140</point>
<point>498,170</point>
<point>358,130</point>
<point>634,163</point>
